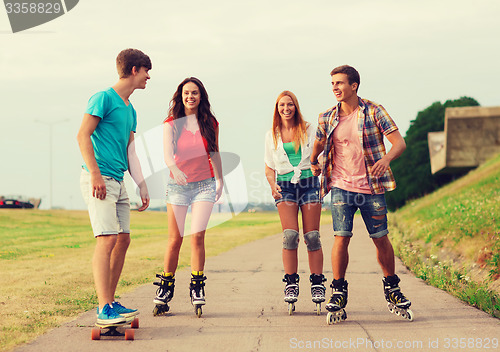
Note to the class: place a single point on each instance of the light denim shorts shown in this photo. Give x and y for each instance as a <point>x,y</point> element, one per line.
<point>111,215</point>
<point>304,192</point>
<point>199,191</point>
<point>344,206</point>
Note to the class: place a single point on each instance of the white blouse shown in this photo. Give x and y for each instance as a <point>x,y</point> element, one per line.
<point>277,158</point>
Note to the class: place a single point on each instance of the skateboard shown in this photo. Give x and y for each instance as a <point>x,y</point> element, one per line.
<point>112,330</point>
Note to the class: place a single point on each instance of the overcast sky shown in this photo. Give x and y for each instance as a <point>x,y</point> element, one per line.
<point>409,54</point>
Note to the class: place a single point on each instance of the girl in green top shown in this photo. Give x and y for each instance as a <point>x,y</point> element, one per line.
<point>293,186</point>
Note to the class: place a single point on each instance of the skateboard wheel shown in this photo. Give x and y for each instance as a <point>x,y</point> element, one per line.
<point>135,323</point>
<point>96,334</point>
<point>129,334</point>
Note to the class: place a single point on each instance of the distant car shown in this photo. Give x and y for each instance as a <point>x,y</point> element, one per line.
<point>15,203</point>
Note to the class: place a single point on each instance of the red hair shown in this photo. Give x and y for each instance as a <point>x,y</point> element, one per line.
<point>299,125</point>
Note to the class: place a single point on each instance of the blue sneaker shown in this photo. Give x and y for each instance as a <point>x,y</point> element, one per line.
<point>126,312</point>
<point>108,316</point>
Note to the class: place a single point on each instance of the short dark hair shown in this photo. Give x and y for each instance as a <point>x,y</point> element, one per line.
<point>351,72</point>
<point>129,58</point>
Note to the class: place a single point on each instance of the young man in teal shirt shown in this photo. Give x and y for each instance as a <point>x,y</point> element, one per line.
<point>106,141</point>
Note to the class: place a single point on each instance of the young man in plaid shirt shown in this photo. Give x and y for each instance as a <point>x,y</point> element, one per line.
<point>356,171</point>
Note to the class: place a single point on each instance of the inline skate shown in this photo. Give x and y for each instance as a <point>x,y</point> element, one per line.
<point>337,302</point>
<point>291,291</point>
<point>164,293</point>
<point>318,290</point>
<point>397,303</point>
<point>197,293</point>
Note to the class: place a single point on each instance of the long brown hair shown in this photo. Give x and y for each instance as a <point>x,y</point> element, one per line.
<point>299,125</point>
<point>206,119</point>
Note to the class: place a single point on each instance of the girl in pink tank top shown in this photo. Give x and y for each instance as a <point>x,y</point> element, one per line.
<point>191,151</point>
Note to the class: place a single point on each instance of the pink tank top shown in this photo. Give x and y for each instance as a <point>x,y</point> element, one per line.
<point>349,169</point>
<point>192,156</point>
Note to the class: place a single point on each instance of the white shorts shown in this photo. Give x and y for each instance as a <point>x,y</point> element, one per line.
<point>111,215</point>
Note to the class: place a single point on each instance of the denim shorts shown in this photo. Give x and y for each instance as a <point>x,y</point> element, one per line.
<point>198,191</point>
<point>304,192</point>
<point>111,215</point>
<point>345,204</point>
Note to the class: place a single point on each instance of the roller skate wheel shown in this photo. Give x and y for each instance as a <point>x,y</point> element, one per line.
<point>160,309</point>
<point>318,308</point>
<point>135,323</point>
<point>129,334</point>
<point>198,312</point>
<point>329,318</point>
<point>390,306</point>
<point>96,334</point>
<point>336,317</point>
<point>291,308</point>
<point>332,318</point>
<point>409,315</point>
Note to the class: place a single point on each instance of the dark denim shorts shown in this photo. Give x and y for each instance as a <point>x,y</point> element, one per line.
<point>304,192</point>
<point>199,191</point>
<point>344,206</point>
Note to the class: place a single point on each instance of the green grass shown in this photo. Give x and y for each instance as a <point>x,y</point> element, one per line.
<point>45,262</point>
<point>451,238</point>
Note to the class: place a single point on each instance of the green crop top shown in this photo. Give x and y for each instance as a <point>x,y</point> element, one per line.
<point>294,159</point>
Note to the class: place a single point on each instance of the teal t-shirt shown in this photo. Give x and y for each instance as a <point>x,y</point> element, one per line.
<point>294,159</point>
<point>111,136</point>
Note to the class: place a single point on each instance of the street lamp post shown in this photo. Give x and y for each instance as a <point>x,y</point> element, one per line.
<point>50,124</point>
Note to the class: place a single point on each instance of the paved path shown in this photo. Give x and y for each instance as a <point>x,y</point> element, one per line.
<point>245,311</point>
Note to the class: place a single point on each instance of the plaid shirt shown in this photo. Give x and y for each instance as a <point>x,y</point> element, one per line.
<point>373,123</point>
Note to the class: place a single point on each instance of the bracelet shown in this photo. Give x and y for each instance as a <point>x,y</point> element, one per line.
<point>315,162</point>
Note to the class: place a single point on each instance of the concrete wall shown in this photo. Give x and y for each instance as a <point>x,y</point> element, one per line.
<point>471,135</point>
<point>437,150</point>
